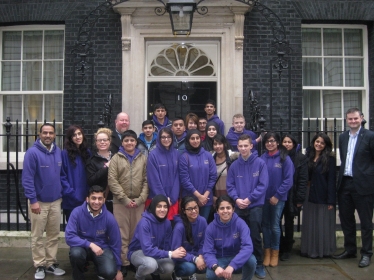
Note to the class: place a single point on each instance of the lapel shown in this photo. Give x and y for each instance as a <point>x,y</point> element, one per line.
<point>345,143</point>
<point>359,140</point>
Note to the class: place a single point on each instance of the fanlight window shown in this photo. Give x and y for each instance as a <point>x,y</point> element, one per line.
<point>182,60</point>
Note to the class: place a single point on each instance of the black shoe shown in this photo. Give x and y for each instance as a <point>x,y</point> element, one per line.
<point>364,262</point>
<point>155,276</point>
<point>124,271</point>
<point>344,255</point>
<point>285,256</point>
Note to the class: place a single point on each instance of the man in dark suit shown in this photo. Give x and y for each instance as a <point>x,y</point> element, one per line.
<point>122,123</point>
<point>356,187</point>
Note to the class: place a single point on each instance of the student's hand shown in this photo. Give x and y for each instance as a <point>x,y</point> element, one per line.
<point>202,200</point>
<point>273,200</point>
<point>330,207</point>
<point>200,263</point>
<point>227,273</point>
<point>299,205</point>
<point>119,275</point>
<point>178,253</point>
<point>241,203</point>
<point>96,249</point>
<point>107,164</point>
<point>35,208</point>
<point>219,271</point>
<point>131,204</point>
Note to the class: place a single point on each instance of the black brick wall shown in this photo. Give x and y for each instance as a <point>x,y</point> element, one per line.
<point>258,36</point>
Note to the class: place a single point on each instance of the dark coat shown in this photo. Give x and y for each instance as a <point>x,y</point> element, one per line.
<point>116,143</point>
<point>97,172</point>
<point>363,161</point>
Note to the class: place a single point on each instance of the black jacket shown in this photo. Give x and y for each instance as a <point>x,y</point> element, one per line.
<point>97,172</point>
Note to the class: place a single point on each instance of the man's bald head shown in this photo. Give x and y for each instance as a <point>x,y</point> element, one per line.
<point>122,122</point>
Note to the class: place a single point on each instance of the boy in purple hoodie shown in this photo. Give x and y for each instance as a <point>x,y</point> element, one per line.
<point>247,181</point>
<point>160,118</point>
<point>210,108</point>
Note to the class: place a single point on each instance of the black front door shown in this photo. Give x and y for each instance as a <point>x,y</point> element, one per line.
<point>181,98</point>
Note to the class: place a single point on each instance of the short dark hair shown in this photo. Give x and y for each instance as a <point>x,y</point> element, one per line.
<point>353,110</point>
<point>245,137</point>
<point>159,106</point>
<point>47,124</point>
<point>95,189</point>
<point>210,101</point>
<point>147,122</point>
<point>177,119</point>
<point>129,133</point>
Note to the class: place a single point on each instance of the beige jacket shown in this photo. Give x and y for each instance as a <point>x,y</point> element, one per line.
<point>128,181</point>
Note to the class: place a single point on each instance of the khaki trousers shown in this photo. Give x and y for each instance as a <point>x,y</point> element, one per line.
<point>127,219</point>
<point>49,221</point>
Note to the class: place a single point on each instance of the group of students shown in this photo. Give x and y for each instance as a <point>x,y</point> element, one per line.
<point>179,177</point>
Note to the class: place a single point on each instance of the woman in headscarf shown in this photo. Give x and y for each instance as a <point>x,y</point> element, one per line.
<point>211,130</point>
<point>197,172</point>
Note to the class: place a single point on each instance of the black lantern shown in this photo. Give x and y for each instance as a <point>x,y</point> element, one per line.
<point>181,14</point>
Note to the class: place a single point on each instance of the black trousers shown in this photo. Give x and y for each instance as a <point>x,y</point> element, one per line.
<point>348,201</point>
<point>286,238</point>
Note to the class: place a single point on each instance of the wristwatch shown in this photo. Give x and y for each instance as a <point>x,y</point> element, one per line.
<point>214,267</point>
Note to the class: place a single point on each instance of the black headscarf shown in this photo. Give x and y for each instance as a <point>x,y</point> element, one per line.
<point>189,148</point>
<point>152,207</point>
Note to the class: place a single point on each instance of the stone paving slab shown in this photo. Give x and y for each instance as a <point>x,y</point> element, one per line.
<point>16,263</point>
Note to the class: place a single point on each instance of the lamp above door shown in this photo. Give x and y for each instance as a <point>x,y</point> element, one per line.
<point>181,14</point>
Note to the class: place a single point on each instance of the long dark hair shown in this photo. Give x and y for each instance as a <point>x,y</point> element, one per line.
<point>72,148</point>
<point>325,154</point>
<point>186,222</point>
<point>282,150</point>
<point>293,152</point>
<point>219,138</point>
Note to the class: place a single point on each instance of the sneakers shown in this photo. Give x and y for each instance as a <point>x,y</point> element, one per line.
<point>174,277</point>
<point>260,271</point>
<point>192,277</point>
<point>40,273</point>
<point>55,270</point>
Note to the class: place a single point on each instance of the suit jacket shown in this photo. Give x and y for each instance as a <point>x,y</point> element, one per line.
<point>363,161</point>
<point>116,143</point>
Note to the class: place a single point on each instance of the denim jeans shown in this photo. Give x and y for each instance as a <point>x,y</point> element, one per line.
<point>184,269</point>
<point>253,219</point>
<point>204,211</point>
<point>147,265</point>
<point>271,216</point>
<point>248,269</point>
<point>105,264</point>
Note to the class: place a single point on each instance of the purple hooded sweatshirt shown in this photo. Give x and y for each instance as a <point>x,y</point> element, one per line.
<point>152,237</point>
<point>233,138</point>
<point>220,123</point>
<point>42,176</point>
<point>103,230</point>
<point>227,240</point>
<point>248,179</point>
<point>162,171</point>
<point>197,170</point>
<point>158,125</point>
<point>281,176</point>
<point>198,235</point>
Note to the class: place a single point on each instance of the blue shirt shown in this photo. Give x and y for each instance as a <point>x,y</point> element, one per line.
<point>350,151</point>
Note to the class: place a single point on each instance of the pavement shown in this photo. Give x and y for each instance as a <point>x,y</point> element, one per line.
<point>16,263</point>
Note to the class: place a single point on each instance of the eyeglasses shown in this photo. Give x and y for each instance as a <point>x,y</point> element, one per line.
<point>77,134</point>
<point>165,137</point>
<point>102,140</point>
<point>270,141</point>
<point>190,209</point>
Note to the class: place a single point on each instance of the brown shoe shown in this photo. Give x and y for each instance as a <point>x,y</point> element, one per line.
<point>267,253</point>
<point>274,258</point>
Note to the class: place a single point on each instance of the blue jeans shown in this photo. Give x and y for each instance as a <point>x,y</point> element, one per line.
<point>184,269</point>
<point>147,265</point>
<point>271,216</point>
<point>105,264</point>
<point>248,269</point>
<point>204,211</point>
<point>253,219</point>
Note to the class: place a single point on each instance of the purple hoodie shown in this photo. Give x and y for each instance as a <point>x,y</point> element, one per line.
<point>248,179</point>
<point>152,237</point>
<point>197,172</point>
<point>42,174</point>
<point>158,125</point>
<point>227,240</point>
<point>233,138</point>
<point>179,237</point>
<point>162,172</point>
<point>281,176</point>
<point>103,231</point>
<point>220,123</point>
